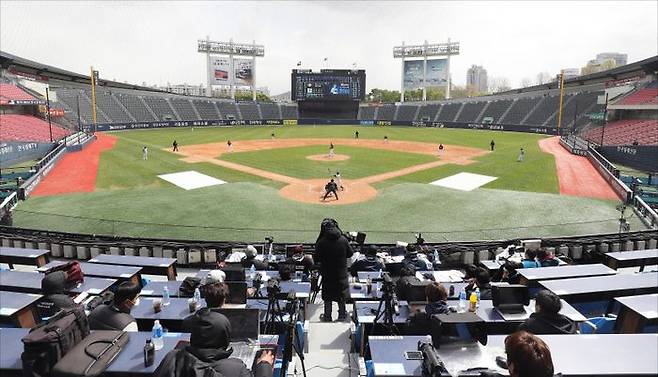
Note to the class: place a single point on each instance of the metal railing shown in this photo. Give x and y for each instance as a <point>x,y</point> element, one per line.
<point>648,214</point>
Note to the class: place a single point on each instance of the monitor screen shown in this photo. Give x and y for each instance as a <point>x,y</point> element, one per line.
<point>510,295</point>
<point>237,292</point>
<point>245,323</point>
<point>234,272</point>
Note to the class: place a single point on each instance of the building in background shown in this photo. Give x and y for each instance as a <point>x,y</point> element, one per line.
<point>476,79</point>
<point>619,58</point>
<point>603,62</point>
<point>570,73</point>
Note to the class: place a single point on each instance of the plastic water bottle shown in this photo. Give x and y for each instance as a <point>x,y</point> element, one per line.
<point>197,295</point>
<point>165,296</point>
<point>156,336</point>
<point>462,301</point>
<point>252,272</point>
<point>380,273</point>
<point>436,258</point>
<point>477,294</point>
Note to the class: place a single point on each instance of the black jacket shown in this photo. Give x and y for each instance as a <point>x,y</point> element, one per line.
<point>53,286</point>
<point>109,317</point>
<point>208,352</point>
<point>259,265</point>
<point>332,250</point>
<point>540,324</point>
<point>369,263</point>
<point>195,362</point>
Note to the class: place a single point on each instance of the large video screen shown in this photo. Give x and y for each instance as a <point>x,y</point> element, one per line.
<point>435,73</point>
<point>328,85</point>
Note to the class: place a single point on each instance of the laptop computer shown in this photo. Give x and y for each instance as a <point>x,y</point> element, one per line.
<point>245,330</point>
<point>510,300</point>
<point>237,292</point>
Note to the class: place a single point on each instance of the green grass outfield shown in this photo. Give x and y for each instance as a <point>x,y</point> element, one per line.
<point>131,200</point>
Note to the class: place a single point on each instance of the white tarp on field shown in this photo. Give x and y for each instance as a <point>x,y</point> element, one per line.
<point>190,180</point>
<point>464,181</point>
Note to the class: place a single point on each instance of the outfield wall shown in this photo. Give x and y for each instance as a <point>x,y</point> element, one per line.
<point>293,122</point>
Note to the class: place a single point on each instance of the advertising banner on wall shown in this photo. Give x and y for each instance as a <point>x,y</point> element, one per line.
<point>435,73</point>
<point>220,67</point>
<point>243,72</point>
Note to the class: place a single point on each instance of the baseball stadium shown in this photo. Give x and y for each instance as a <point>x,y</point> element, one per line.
<point>92,168</point>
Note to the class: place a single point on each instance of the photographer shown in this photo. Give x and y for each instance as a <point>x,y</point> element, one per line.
<point>332,250</point>
<point>371,262</point>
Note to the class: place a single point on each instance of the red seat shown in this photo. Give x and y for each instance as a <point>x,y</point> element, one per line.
<point>626,132</point>
<point>10,92</point>
<point>18,127</point>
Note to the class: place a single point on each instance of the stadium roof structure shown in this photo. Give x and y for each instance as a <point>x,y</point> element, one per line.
<point>44,72</point>
<point>646,66</point>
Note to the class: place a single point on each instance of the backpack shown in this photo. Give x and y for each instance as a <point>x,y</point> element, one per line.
<point>188,286</point>
<point>74,274</point>
<point>49,341</point>
<point>106,297</point>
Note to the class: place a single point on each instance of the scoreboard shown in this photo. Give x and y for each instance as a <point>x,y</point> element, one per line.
<point>328,85</point>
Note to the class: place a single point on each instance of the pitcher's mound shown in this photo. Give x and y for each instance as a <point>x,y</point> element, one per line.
<point>325,157</point>
<point>312,191</point>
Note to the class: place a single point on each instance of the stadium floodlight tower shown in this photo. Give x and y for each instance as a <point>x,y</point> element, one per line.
<point>222,69</point>
<point>439,75</point>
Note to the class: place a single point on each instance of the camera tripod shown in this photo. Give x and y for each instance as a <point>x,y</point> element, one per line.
<point>386,310</point>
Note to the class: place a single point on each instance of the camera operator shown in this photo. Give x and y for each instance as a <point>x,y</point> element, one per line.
<point>332,250</point>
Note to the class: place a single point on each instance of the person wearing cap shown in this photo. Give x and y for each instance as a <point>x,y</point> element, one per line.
<point>52,287</point>
<point>208,353</point>
<point>415,262</point>
<point>251,260</point>
<point>214,276</point>
<point>371,262</point>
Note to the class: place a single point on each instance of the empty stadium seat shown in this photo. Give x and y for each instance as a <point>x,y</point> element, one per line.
<point>626,132</point>
<point>386,112</point>
<point>248,110</point>
<point>448,112</point>
<point>470,112</point>
<point>184,108</point>
<point>269,110</point>
<point>519,110</point>
<point>366,112</point>
<point>10,92</point>
<point>428,112</point>
<point>135,107</point>
<point>643,96</point>
<point>289,111</point>
<point>161,108</point>
<point>206,109</point>
<point>18,127</point>
<point>406,113</point>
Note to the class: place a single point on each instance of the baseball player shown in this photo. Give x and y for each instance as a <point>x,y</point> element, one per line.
<point>145,153</point>
<point>521,156</point>
<point>330,188</point>
<point>229,145</point>
<point>175,145</point>
<point>339,181</point>
<point>331,150</point>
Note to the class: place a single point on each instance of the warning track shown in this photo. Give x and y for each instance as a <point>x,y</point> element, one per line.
<point>576,175</point>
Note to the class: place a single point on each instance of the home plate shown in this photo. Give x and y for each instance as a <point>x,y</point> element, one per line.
<point>464,181</point>
<point>190,180</point>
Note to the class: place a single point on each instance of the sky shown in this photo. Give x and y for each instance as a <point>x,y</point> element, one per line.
<point>155,42</point>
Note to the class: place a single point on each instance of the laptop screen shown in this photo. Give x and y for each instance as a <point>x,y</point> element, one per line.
<point>237,292</point>
<point>245,323</point>
<point>513,294</point>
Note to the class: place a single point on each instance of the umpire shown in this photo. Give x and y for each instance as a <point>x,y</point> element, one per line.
<point>332,250</point>
<point>330,188</point>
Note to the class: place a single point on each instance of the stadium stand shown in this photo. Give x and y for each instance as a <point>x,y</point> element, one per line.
<point>228,109</point>
<point>495,110</point>
<point>626,132</point>
<point>19,127</point>
<point>449,111</point>
<point>161,108</point>
<point>183,108</point>
<point>248,110</point>
<point>643,96</point>
<point>519,110</point>
<point>428,112</point>
<point>10,92</point>
<point>111,107</point>
<point>289,111</point>
<point>135,107</point>
<point>546,108</point>
<point>366,112</point>
<point>206,109</point>
<point>470,111</point>
<point>406,112</point>
<point>70,97</point>
<point>269,110</point>
<point>386,112</point>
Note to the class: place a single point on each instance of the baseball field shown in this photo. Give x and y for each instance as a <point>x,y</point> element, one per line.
<point>273,186</point>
